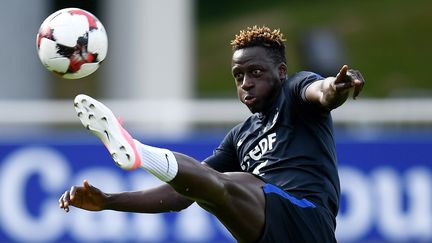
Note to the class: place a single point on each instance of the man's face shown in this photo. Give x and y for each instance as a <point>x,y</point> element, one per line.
<point>258,78</point>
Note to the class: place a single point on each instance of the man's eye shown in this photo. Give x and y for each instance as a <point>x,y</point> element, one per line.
<point>238,76</point>
<point>257,72</point>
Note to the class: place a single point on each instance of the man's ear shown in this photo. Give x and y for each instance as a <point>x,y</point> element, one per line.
<point>282,71</point>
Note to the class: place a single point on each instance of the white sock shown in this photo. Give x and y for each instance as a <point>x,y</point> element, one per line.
<point>159,162</point>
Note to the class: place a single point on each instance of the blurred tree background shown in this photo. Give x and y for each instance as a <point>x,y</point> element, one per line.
<point>388,40</point>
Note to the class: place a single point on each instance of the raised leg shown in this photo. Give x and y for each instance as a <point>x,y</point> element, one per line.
<point>236,198</point>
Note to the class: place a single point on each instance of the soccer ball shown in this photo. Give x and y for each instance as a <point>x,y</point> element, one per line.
<point>72,43</point>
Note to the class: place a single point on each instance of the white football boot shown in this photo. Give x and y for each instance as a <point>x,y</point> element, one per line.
<point>100,120</point>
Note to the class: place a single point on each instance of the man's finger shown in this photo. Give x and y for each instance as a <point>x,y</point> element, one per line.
<point>343,69</point>
<point>356,92</point>
<point>60,201</point>
<point>355,75</point>
<point>64,201</point>
<point>357,89</point>
<point>66,208</point>
<point>358,80</point>
<point>340,77</point>
<point>72,192</point>
<point>86,184</point>
<point>342,86</point>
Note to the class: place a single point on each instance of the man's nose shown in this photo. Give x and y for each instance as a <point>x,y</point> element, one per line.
<point>247,83</point>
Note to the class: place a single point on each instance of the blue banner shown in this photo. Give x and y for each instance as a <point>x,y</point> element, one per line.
<point>386,193</point>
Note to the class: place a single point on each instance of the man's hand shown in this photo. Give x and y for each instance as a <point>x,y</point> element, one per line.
<point>86,197</point>
<point>331,92</point>
<point>347,79</point>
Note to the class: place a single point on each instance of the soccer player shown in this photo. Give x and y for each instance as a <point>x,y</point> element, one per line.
<point>274,176</point>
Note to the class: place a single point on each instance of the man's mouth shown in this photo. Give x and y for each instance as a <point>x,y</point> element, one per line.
<point>249,100</point>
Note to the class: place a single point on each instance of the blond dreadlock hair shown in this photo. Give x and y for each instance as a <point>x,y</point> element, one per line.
<point>272,40</point>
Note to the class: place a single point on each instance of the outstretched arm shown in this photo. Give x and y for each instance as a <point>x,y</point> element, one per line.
<point>332,92</point>
<point>160,199</point>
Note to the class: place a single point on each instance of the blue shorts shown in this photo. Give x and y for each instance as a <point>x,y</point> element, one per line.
<point>289,219</point>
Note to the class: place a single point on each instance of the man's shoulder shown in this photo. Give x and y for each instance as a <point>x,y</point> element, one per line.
<point>304,75</point>
<point>298,81</point>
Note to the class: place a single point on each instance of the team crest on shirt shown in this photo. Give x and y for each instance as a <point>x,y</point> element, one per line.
<point>255,154</point>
